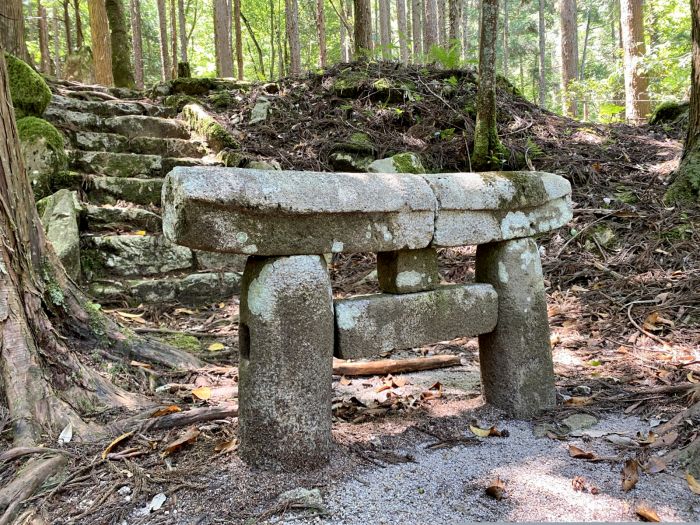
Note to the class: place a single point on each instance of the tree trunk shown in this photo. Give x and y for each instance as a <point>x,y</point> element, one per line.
<point>12,29</point>
<point>66,23</point>
<point>465,30</point>
<point>489,153</point>
<point>182,30</point>
<point>257,47</point>
<point>273,49</point>
<point>222,39</point>
<point>79,38</point>
<point>403,30</point>
<point>417,29</point>
<point>582,68</point>
<point>239,39</point>
<point>430,26</point>
<point>637,106</point>
<point>165,68</point>
<point>363,28</point>
<point>292,19</point>
<point>569,54</point>
<point>505,38</point>
<point>455,7</point>
<point>321,28</point>
<point>45,66</point>
<point>173,37</point>
<point>101,45</point>
<point>344,49</point>
<point>385,28</point>
<point>685,188</point>
<point>137,40</point>
<point>56,44</point>
<point>442,22</point>
<point>542,85</point>
<point>121,48</point>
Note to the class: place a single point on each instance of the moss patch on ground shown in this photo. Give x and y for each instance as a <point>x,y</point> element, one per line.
<point>30,93</point>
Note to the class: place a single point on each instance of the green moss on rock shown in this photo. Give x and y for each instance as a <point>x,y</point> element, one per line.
<point>189,343</point>
<point>220,99</point>
<point>29,92</point>
<point>192,86</point>
<point>205,125</point>
<point>31,129</point>
<point>43,151</point>
<point>668,112</point>
<point>179,101</point>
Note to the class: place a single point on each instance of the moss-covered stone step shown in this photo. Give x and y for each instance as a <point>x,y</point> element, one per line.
<point>120,218</point>
<point>133,256</point>
<point>107,108</point>
<point>133,126</point>
<point>117,92</point>
<point>115,143</point>
<point>73,120</point>
<point>193,289</point>
<point>101,189</point>
<point>134,165</point>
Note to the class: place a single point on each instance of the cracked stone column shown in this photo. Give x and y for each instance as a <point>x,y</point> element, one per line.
<point>517,373</point>
<point>286,350</point>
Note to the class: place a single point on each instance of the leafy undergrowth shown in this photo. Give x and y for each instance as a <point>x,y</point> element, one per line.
<point>622,279</point>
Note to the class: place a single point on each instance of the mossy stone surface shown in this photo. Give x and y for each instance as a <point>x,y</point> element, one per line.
<point>179,101</point>
<point>29,92</point>
<point>43,151</point>
<point>192,86</point>
<point>207,126</point>
<point>667,112</point>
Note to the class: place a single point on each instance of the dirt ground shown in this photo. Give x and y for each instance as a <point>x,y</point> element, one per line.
<point>623,293</point>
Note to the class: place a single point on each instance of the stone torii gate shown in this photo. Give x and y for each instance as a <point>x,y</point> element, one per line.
<point>290,325</point>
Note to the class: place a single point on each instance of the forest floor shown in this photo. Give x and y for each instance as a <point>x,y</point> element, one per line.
<point>623,285</point>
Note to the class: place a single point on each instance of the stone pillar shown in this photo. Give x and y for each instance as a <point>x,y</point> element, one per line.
<point>517,373</point>
<point>408,271</point>
<point>286,350</point>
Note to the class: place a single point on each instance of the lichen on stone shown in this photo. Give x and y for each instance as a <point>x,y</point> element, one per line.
<point>30,93</point>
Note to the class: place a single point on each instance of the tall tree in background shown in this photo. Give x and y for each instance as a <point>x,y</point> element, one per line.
<point>417,29</point>
<point>465,29</point>
<point>45,66</point>
<point>56,43</point>
<point>506,29</point>
<point>685,188</point>
<point>137,41</point>
<point>67,26</point>
<point>165,68</point>
<point>430,26</point>
<point>239,38</point>
<point>173,37</point>
<point>542,84</point>
<point>385,28</point>
<point>121,49</point>
<point>12,29</point>
<point>441,20</point>
<point>79,37</point>
<point>455,16</point>
<point>182,30</point>
<point>101,42</point>
<point>569,54</point>
<point>362,28</point>
<point>321,28</point>
<point>488,150</point>
<point>222,38</point>
<point>403,30</point>
<point>637,106</point>
<point>291,10</point>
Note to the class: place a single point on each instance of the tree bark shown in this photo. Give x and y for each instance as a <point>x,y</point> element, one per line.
<point>222,38</point>
<point>542,84</point>
<point>344,48</point>
<point>430,26</point>
<point>393,366</point>
<point>417,29</point>
<point>455,8</point>
<point>165,67</point>
<point>569,54</point>
<point>182,30</point>
<point>79,38</point>
<point>637,106</point>
<point>66,23</point>
<point>321,28</point>
<point>292,18</point>
<point>465,30</point>
<point>56,43</point>
<point>12,29</point>
<point>442,22</point>
<point>685,188</point>
<point>363,28</point>
<point>173,37</point>
<point>489,153</point>
<point>239,39</point>
<point>43,24</point>
<point>137,41</point>
<point>403,30</point>
<point>505,38</point>
<point>101,45</point>
<point>121,49</point>
<point>385,28</point>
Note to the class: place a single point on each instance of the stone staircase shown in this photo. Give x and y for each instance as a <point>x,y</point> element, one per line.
<point>121,146</point>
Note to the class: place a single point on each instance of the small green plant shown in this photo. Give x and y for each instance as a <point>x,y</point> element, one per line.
<point>449,58</point>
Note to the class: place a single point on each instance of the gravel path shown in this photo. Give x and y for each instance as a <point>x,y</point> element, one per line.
<point>448,485</point>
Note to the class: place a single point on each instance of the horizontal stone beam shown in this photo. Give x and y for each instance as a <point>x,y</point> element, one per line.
<point>260,212</point>
<point>368,325</point>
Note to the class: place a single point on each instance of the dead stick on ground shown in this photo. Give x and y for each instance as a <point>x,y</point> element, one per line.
<point>394,366</point>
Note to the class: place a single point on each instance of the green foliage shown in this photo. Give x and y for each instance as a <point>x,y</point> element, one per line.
<point>449,58</point>
<point>31,129</point>
<point>29,92</point>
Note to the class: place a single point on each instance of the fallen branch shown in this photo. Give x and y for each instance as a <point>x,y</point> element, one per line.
<point>144,421</point>
<point>393,366</point>
<point>18,452</point>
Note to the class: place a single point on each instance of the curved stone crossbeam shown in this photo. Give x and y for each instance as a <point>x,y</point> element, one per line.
<point>257,212</point>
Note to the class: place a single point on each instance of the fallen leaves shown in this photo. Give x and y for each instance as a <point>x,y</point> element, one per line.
<point>66,434</point>
<point>630,475</point>
<point>226,446</point>
<point>203,393</point>
<point>655,322</point>
<point>187,438</point>
<point>488,432</point>
<point>655,465</point>
<point>434,392</point>
<point>215,347</point>
<point>496,490</point>
<point>116,441</point>
<point>645,512</point>
<point>166,410</point>
<point>693,484</point>
<point>578,453</point>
